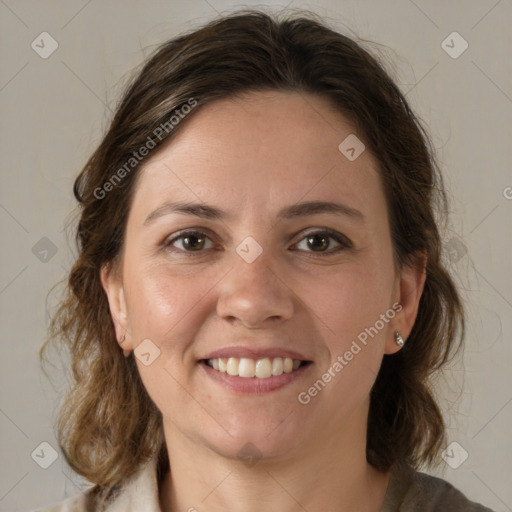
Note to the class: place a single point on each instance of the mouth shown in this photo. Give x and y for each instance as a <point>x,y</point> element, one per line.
<point>244,376</point>
<point>262,368</point>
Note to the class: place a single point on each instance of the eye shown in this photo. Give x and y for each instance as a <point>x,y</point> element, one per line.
<point>190,241</point>
<point>322,242</point>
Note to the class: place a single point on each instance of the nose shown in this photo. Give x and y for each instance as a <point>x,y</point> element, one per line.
<point>255,295</point>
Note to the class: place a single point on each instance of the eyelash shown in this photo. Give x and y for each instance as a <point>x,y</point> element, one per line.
<point>338,237</point>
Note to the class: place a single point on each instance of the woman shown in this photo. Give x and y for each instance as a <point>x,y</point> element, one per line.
<point>258,239</point>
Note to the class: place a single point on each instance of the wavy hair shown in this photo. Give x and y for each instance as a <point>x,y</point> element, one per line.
<point>108,426</point>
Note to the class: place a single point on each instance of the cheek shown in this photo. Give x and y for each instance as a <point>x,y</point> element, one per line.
<point>349,299</point>
<point>162,302</point>
<point>350,305</point>
<point>167,309</point>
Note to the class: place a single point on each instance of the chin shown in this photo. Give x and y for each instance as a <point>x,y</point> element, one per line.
<point>254,440</point>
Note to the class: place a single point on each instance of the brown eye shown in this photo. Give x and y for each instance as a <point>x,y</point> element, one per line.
<point>190,241</point>
<point>323,243</point>
<point>193,242</point>
<point>318,242</point>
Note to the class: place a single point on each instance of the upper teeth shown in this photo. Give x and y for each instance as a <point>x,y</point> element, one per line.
<point>261,368</point>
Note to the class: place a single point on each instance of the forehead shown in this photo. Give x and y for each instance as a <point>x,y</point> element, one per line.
<point>260,149</point>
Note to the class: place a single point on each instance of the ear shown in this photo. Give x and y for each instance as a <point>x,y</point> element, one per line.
<point>410,287</point>
<point>113,286</point>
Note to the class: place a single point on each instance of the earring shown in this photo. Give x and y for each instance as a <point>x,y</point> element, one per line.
<point>398,339</point>
<point>126,353</point>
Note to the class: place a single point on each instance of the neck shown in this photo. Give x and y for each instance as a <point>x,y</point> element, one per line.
<point>331,473</point>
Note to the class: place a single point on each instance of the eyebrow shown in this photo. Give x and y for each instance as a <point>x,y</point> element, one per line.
<point>290,212</point>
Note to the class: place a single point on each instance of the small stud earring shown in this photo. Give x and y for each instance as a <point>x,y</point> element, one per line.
<point>398,339</point>
<point>126,353</point>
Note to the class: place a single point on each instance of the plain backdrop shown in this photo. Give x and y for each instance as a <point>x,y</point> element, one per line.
<point>55,110</point>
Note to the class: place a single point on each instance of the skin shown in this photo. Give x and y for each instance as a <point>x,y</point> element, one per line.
<point>251,156</point>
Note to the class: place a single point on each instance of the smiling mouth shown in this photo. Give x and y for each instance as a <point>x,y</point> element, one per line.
<point>255,368</point>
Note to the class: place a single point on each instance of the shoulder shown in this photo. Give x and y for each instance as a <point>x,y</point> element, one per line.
<point>441,495</point>
<point>138,494</point>
<point>413,491</point>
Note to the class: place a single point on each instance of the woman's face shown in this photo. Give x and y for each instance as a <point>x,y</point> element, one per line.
<point>252,238</point>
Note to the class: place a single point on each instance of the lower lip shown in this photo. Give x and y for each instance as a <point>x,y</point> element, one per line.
<point>248,385</point>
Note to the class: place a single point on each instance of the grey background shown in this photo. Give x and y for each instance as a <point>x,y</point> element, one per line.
<point>55,110</point>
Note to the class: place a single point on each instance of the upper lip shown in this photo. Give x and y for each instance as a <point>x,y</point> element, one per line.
<point>254,353</point>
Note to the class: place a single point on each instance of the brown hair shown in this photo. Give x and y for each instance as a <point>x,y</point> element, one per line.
<point>108,425</point>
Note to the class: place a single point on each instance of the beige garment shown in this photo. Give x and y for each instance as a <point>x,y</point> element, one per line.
<point>408,491</point>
